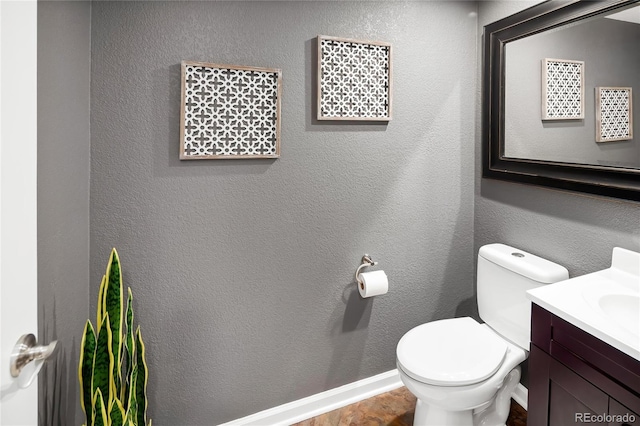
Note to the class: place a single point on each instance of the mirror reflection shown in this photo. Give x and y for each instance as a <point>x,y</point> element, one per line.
<point>561,88</point>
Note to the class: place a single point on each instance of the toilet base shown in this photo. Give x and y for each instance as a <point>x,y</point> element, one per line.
<point>498,412</point>
<point>427,415</point>
<point>493,414</point>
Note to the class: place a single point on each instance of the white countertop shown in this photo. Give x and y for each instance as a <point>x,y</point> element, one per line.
<point>577,300</point>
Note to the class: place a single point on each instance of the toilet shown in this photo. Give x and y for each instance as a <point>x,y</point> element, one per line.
<point>463,372</point>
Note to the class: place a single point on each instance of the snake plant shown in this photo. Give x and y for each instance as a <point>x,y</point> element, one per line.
<point>112,370</point>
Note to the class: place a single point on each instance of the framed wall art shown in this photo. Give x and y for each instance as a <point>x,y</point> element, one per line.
<point>354,79</point>
<point>562,89</point>
<point>229,111</point>
<point>614,114</point>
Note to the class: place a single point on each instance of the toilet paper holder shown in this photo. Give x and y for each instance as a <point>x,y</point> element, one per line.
<point>366,261</point>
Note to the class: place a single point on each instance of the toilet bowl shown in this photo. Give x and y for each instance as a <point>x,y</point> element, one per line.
<point>458,377</point>
<point>463,373</point>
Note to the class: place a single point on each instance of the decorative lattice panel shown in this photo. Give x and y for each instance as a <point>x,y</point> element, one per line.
<point>229,112</point>
<point>614,118</point>
<point>354,80</point>
<point>562,89</point>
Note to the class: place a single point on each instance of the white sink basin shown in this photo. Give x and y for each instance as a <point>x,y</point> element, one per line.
<point>624,309</point>
<point>613,302</point>
<point>609,307</point>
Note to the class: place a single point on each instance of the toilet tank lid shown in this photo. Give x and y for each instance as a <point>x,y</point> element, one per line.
<point>523,263</point>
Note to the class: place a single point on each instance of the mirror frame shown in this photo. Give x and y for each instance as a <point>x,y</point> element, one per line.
<point>608,181</point>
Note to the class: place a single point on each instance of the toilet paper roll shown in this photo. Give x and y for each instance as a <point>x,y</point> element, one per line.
<point>373,283</point>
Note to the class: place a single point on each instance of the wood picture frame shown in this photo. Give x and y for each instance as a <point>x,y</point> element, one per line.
<point>354,79</point>
<point>562,89</point>
<point>614,114</point>
<point>229,111</point>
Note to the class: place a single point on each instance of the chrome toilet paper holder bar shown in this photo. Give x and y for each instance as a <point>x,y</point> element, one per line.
<point>366,261</point>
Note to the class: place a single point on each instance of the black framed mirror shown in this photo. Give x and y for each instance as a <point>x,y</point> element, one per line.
<point>567,155</point>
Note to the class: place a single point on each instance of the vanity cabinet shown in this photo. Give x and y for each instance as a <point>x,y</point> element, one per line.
<point>575,378</point>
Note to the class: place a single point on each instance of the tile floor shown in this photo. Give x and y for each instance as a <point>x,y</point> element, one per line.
<point>393,408</point>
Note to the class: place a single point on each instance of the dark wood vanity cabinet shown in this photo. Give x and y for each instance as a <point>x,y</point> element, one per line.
<point>576,378</point>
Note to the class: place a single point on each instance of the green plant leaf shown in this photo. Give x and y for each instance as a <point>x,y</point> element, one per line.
<point>85,369</point>
<point>116,413</point>
<point>100,310</point>
<point>103,361</point>
<point>130,334</point>
<point>124,394</point>
<point>132,413</point>
<point>141,379</point>
<point>100,414</point>
<point>129,349</point>
<point>132,410</point>
<point>113,306</point>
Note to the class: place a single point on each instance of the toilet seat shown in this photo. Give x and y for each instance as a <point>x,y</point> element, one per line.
<point>451,352</point>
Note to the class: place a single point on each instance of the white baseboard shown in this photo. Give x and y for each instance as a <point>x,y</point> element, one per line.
<point>333,399</point>
<point>520,395</point>
<point>323,402</point>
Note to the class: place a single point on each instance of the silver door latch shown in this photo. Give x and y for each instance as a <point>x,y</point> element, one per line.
<point>27,350</point>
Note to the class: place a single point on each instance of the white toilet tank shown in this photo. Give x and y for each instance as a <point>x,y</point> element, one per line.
<point>504,275</point>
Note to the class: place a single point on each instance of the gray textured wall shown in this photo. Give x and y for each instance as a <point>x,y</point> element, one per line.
<point>575,230</point>
<point>242,271</point>
<point>612,58</point>
<point>64,66</point>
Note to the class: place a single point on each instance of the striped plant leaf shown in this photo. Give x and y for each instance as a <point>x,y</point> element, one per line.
<point>85,369</point>
<point>100,310</point>
<point>116,413</point>
<point>129,349</point>
<point>132,413</point>
<point>113,306</point>
<point>141,379</point>
<point>132,410</point>
<point>103,361</point>
<point>126,359</point>
<point>100,414</point>
<point>130,333</point>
